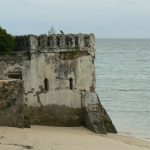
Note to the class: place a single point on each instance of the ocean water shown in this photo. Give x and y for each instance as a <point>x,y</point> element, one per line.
<point>123,83</point>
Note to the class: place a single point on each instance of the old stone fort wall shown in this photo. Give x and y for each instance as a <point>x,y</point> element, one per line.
<point>50,80</point>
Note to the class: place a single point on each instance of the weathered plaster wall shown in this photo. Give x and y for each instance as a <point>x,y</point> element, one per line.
<point>56,42</point>
<point>11,103</point>
<point>57,68</point>
<point>11,64</point>
<point>58,75</point>
<point>59,71</point>
<point>58,107</point>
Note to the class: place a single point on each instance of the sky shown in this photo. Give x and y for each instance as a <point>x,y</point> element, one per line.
<point>104,18</point>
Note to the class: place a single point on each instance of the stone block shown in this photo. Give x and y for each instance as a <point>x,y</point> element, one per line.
<point>95,116</point>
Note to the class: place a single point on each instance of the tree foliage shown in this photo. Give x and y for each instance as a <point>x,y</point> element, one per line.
<point>7,42</point>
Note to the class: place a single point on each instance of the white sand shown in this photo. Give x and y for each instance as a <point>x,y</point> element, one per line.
<point>65,138</point>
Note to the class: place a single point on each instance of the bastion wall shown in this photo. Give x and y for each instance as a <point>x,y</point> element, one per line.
<point>58,77</point>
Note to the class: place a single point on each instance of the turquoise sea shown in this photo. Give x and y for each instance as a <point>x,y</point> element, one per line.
<point>123,83</point>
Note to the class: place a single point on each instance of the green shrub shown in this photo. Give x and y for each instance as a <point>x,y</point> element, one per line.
<point>7,42</point>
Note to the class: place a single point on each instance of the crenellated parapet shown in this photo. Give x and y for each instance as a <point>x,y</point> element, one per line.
<point>55,42</point>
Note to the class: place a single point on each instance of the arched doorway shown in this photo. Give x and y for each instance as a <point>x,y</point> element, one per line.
<point>71,83</point>
<point>46,84</point>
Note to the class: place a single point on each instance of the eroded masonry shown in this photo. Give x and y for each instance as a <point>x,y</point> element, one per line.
<point>50,80</point>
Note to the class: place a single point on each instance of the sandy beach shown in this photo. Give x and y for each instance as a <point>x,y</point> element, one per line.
<point>65,138</point>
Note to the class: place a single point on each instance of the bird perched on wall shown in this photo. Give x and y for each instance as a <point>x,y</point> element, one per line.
<point>61,32</point>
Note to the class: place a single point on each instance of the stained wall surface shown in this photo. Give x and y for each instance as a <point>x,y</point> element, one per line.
<point>58,81</point>
<point>11,103</point>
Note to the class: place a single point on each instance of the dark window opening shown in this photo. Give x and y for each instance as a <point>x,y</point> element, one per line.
<point>39,42</point>
<point>50,41</point>
<point>76,41</point>
<point>68,41</point>
<point>46,84</point>
<point>15,75</point>
<point>58,41</point>
<point>71,83</point>
<point>86,41</point>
